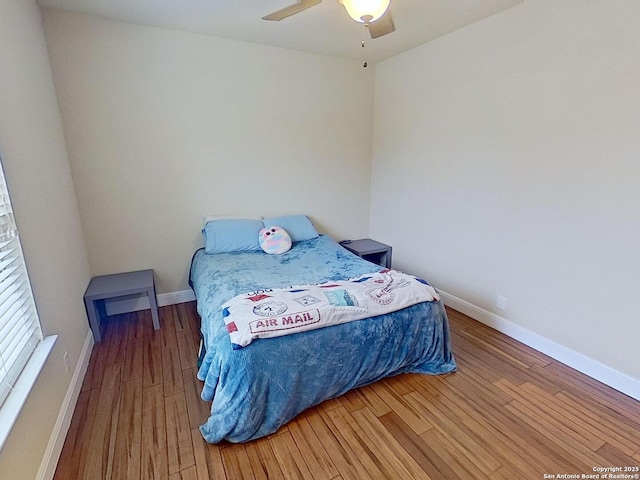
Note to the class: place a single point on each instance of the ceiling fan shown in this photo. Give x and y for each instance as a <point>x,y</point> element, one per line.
<point>375,14</point>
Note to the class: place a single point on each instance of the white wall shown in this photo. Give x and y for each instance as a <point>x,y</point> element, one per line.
<point>163,127</point>
<point>506,162</point>
<point>37,169</point>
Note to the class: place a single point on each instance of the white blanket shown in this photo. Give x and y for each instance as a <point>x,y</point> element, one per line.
<point>282,311</point>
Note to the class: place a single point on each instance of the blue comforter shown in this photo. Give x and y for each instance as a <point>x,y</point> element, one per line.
<point>257,389</point>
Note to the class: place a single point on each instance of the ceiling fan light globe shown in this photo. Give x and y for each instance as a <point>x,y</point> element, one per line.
<point>365,11</point>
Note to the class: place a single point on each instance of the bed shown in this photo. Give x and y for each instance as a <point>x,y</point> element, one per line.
<point>256,389</point>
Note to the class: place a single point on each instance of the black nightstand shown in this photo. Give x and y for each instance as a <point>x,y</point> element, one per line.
<point>370,250</point>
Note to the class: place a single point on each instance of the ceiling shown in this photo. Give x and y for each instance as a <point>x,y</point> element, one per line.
<point>325,28</point>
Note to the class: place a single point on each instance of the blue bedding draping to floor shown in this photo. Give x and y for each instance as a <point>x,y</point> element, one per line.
<point>258,388</point>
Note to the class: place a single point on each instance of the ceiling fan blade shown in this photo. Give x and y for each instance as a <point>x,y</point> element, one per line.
<point>291,10</point>
<point>382,26</point>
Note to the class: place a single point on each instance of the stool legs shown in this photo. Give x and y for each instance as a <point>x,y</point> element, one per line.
<point>154,309</point>
<point>94,314</point>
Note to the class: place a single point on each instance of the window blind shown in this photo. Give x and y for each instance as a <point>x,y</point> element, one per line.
<point>20,330</point>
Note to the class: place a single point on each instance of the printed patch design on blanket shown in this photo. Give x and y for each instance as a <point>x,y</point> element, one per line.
<point>286,322</point>
<point>283,311</point>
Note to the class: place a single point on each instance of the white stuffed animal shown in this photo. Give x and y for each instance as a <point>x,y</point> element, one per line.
<point>274,240</point>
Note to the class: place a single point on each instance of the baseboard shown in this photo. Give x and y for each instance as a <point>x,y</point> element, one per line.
<point>56,440</point>
<point>594,369</point>
<point>133,303</point>
<point>173,298</point>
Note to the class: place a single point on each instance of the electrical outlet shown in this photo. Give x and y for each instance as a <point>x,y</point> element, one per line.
<point>501,303</point>
<point>65,357</point>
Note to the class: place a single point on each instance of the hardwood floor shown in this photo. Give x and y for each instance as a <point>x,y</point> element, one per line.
<point>507,413</point>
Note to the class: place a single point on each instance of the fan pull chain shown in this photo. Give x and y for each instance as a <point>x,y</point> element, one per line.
<point>362,44</point>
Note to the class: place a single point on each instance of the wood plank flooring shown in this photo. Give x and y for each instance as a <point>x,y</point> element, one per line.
<point>509,412</point>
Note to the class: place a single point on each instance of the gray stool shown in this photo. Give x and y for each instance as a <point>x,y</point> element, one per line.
<point>117,285</point>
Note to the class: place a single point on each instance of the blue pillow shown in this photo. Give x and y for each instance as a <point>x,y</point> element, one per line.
<point>232,235</point>
<point>299,227</point>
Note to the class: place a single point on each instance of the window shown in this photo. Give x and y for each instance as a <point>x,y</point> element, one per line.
<point>20,332</point>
